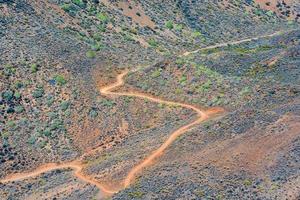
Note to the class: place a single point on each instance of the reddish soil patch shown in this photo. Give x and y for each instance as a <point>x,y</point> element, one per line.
<point>133,10</point>
<point>253,151</point>
<point>273,5</point>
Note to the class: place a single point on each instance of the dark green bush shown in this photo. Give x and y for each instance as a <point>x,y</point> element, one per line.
<point>38,92</point>
<point>7,95</point>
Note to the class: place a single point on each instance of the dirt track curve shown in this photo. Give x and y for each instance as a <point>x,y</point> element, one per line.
<point>108,90</point>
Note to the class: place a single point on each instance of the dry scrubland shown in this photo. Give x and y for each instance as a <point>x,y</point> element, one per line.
<point>56,55</point>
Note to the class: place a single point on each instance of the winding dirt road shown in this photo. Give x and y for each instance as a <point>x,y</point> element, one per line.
<point>108,90</point>
<point>78,166</point>
<point>232,43</point>
<point>202,115</point>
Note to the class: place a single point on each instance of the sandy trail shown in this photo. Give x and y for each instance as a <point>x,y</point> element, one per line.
<point>78,165</point>
<point>232,43</point>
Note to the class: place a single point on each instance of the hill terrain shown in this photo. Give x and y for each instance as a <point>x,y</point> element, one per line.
<point>109,99</point>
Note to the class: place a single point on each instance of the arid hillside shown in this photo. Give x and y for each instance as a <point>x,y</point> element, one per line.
<point>149,99</point>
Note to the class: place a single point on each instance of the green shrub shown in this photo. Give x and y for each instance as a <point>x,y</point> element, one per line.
<point>50,101</point>
<point>43,143</point>
<point>64,105</point>
<point>5,135</point>
<point>96,47</point>
<point>31,140</point>
<point>270,13</point>
<point>183,80</point>
<point>97,37</point>
<point>90,54</point>
<point>7,95</point>
<point>102,17</point>
<point>79,3</point>
<point>60,79</point>
<point>11,124</point>
<point>56,124</point>
<point>47,132</point>
<point>93,113</point>
<point>67,113</point>
<point>136,194</point>
<point>19,109</point>
<point>52,115</point>
<point>128,37</point>
<point>34,68</point>
<point>152,42</point>
<point>178,27</point>
<point>169,25</point>
<point>178,91</point>
<point>247,182</point>
<point>102,28</point>
<point>108,103</point>
<point>245,91</point>
<point>9,70</point>
<point>18,84</point>
<point>196,34</point>
<point>66,7</point>
<point>156,73</point>
<point>205,87</point>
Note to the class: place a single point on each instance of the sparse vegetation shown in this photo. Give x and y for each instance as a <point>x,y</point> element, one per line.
<point>57,55</point>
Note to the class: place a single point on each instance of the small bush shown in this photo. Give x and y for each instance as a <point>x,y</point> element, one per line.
<point>245,91</point>
<point>47,132</point>
<point>91,54</point>
<point>50,101</point>
<point>136,194</point>
<point>5,135</point>
<point>102,17</point>
<point>178,27</point>
<point>60,79</point>
<point>9,70</point>
<point>183,80</point>
<point>18,84</point>
<point>156,73</point>
<point>93,113</point>
<point>56,124</point>
<point>34,68</point>
<point>102,28</point>
<point>17,95</point>
<point>96,47</point>
<point>152,42</point>
<point>31,140</point>
<point>247,182</point>
<point>108,103</point>
<point>11,124</point>
<point>19,109</point>
<point>169,25</point>
<point>270,13</point>
<point>97,37</point>
<point>79,3</point>
<point>64,105</point>
<point>7,95</point>
<point>66,7</point>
